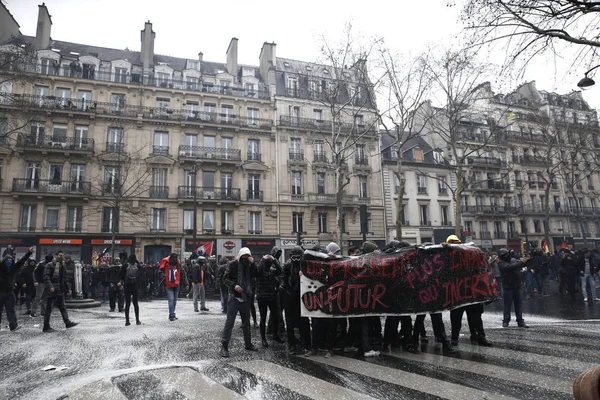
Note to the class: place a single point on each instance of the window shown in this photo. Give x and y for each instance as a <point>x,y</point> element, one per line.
<point>159,220</point>
<point>208,221</point>
<point>359,121</point>
<point>117,103</point>
<point>533,200</point>
<point>523,224</point>
<point>590,183</point>
<point>344,230</point>
<point>84,100</point>
<point>296,183</point>
<point>115,139</point>
<point>292,86</point>
<point>297,222</point>
<point>81,137</point>
<point>47,66</point>
<point>112,178</point>
<point>253,150</point>
<point>227,221</point>
<point>254,223</point>
<point>59,133</point>
<point>438,156</point>
<point>188,220</point>
<point>77,177</point>
<point>226,114</point>
<point>28,215</point>
<point>421,184</point>
<point>63,96</point>
<point>41,93</point>
<point>536,226</point>
<point>55,174</point>
<point>159,177</point>
<point>403,216</point>
<point>320,183</point>
<point>318,114</point>
<point>253,116</point>
<point>162,79</point>
<point>362,187</point>
<point>226,148</point>
<point>192,110</point>
<point>323,223</point>
<point>424,215</point>
<point>294,115</point>
<point>210,111</point>
<point>32,175</point>
<point>226,181</point>
<point>74,218</point>
<point>110,220</point>
<point>296,152</point>
<point>254,187</point>
<point>417,155</point>
<point>121,75</point>
<point>361,155</point>
<point>483,230</point>
<point>469,227</point>
<point>593,204</point>
<point>442,186</point>
<point>444,215</point>
<point>163,108</point>
<point>51,220</point>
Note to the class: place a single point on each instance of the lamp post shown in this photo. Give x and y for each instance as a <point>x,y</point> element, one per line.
<point>587,82</point>
<point>195,189</point>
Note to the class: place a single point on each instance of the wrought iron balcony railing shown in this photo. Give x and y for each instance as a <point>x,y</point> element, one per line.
<point>326,126</point>
<point>209,153</point>
<point>26,185</point>
<point>208,193</point>
<point>51,142</point>
<point>158,192</point>
<point>254,195</point>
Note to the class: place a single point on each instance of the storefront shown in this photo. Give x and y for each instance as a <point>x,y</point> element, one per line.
<point>205,247</point>
<point>563,242</point>
<point>286,245</point>
<point>228,247</point>
<point>126,245</point>
<point>69,246</point>
<point>21,245</point>
<point>259,247</point>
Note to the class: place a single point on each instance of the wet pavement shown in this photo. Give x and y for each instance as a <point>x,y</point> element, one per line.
<point>179,360</point>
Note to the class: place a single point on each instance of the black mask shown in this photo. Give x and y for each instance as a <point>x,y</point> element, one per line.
<point>296,259</point>
<point>244,261</point>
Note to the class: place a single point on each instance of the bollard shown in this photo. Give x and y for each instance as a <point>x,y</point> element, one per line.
<point>78,281</point>
<point>587,385</point>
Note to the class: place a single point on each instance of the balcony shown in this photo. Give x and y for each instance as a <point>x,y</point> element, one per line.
<point>513,235</point>
<point>485,235</point>
<point>253,156</point>
<point>297,156</point>
<point>446,223</point>
<point>326,126</point>
<point>205,117</point>
<point>525,137</point>
<point>160,150</point>
<point>329,199</point>
<point>60,144</point>
<point>109,189</point>
<point>361,160</point>
<point>158,192</point>
<point>254,195</point>
<point>26,228</point>
<point>421,190</point>
<point>37,186</point>
<point>193,153</point>
<point>320,157</point>
<point>74,229</point>
<point>529,160</point>
<point>499,235</point>
<point>486,161</point>
<point>208,193</point>
<point>112,147</point>
<point>425,223</point>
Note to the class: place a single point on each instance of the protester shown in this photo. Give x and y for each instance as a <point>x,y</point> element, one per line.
<point>587,271</point>
<point>40,287</point>
<point>8,272</point>
<point>55,279</point>
<point>115,292</point>
<point>28,283</point>
<point>130,276</point>
<point>267,286</point>
<point>197,280</point>
<point>174,275</point>
<point>238,278</point>
<point>291,289</point>
<point>512,270</point>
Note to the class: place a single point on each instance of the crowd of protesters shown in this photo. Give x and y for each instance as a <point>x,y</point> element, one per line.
<point>275,286</point>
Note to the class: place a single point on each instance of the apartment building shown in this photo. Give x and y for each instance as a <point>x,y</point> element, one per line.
<point>427,202</point>
<point>155,151</point>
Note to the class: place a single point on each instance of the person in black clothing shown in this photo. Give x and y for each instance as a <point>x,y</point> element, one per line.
<point>150,278</point>
<point>511,270</point>
<point>223,261</point>
<point>55,279</point>
<point>130,275</point>
<point>567,273</point>
<point>115,292</point>
<point>70,278</point>
<point>40,287</point>
<point>28,283</point>
<point>267,286</point>
<point>238,279</point>
<point>291,288</point>
<point>10,251</point>
<point>8,271</point>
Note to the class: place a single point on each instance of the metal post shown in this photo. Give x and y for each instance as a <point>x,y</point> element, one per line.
<point>78,281</point>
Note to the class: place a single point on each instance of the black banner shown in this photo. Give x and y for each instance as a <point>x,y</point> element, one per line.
<point>410,281</point>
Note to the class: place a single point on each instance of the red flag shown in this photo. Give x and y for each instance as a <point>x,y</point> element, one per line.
<point>205,249</point>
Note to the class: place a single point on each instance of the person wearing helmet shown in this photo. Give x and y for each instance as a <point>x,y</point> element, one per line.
<point>291,288</point>
<point>238,279</point>
<point>512,270</point>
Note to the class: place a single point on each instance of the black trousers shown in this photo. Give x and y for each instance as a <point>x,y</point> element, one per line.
<point>439,330</point>
<point>273,306</point>
<point>58,300</point>
<point>324,332</point>
<point>131,293</point>
<point>115,292</point>
<point>474,320</point>
<point>293,319</point>
<point>7,301</point>
<point>390,333</point>
<point>233,307</point>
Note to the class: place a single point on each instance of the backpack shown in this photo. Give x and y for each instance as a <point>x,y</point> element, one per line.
<point>132,273</point>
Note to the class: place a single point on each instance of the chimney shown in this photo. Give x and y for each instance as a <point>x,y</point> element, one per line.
<point>232,57</point>
<point>200,56</point>
<point>44,24</point>
<point>147,53</point>
<point>267,61</point>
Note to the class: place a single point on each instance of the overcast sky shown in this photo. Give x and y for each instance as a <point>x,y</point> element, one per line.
<point>184,28</point>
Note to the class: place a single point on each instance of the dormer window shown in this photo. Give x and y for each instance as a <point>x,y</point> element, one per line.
<point>286,64</point>
<point>438,156</point>
<point>193,64</point>
<point>308,68</point>
<point>417,155</point>
<point>73,53</point>
<point>325,71</point>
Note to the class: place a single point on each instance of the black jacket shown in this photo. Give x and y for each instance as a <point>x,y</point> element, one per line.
<point>38,272</point>
<point>112,274</point>
<point>8,274</point>
<point>27,275</point>
<point>580,265</point>
<point>266,278</point>
<point>511,273</point>
<point>123,273</point>
<point>195,276</point>
<point>223,262</point>
<point>59,283</point>
<point>230,278</point>
<point>291,276</point>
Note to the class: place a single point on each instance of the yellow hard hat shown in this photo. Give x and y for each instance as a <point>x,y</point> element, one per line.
<point>452,238</point>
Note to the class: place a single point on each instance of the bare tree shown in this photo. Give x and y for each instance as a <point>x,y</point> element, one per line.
<point>461,126</point>
<point>124,180</point>
<point>406,85</point>
<point>531,28</point>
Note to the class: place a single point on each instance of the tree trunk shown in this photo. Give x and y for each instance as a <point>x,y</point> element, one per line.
<point>457,203</point>
<point>339,195</point>
<point>547,216</point>
<point>399,204</point>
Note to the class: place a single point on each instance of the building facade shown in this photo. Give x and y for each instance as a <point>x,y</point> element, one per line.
<point>146,152</point>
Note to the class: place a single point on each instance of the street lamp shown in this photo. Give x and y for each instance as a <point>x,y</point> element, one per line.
<point>197,165</point>
<point>587,82</point>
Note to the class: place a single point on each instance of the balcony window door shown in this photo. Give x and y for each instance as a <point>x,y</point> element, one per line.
<point>114,140</point>
<point>163,108</point>
<point>63,97</point>
<point>208,184</point>
<point>483,229</point>
<point>254,187</point>
<point>159,220</point>
<point>297,222</point>
<point>210,142</point>
<point>120,75</point>
<point>421,184</point>
<point>32,174</point>
<point>318,114</point>
<point>110,220</point>
<point>112,178</point>
<point>162,79</point>
<point>117,103</point>
<point>296,183</point>
<point>59,135</point>
<point>51,220</point>
<point>361,155</point>
<point>226,148</point>
<point>295,148</point>
<point>191,83</point>
<point>322,223</point>
<point>28,216</point>
<point>226,182</point>
<point>424,215</point>
<point>161,142</point>
<point>442,186</point>
<point>81,136</point>
<point>253,150</point>
<point>254,223</point>
<point>74,219</point>
<point>253,116</point>
<point>188,220</point>
<point>320,183</point>
<point>292,86</point>
<point>190,182</point>
<point>55,174</point>
<point>46,66</point>
<point>444,215</point>
<point>208,221</point>
<point>192,110</point>
<point>36,134</point>
<point>159,177</point>
<point>210,111</point>
<point>191,144</point>
<point>226,114</point>
<point>84,100</point>
<point>498,229</point>
<point>363,185</point>
<point>227,221</point>
<point>295,115</point>
<point>41,94</point>
<point>77,177</point>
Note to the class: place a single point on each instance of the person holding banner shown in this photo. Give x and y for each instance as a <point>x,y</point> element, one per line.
<point>291,289</point>
<point>267,285</point>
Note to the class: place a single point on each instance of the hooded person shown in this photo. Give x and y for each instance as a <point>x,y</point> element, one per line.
<point>198,276</point>
<point>238,279</point>
<point>267,284</point>
<point>174,276</point>
<point>55,279</point>
<point>333,249</point>
<point>291,288</point>
<point>8,272</point>
<point>130,275</point>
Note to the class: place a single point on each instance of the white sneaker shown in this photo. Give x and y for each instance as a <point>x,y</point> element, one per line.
<point>584,299</point>
<point>371,353</point>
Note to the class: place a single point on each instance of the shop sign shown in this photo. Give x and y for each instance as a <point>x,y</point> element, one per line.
<point>109,242</point>
<point>61,241</point>
<point>294,242</point>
